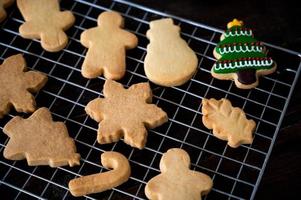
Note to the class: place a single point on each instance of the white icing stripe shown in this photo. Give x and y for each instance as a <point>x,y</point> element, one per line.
<point>241,64</point>
<point>239,49</point>
<point>239,33</point>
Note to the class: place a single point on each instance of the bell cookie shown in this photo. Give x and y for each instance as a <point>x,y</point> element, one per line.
<point>40,140</point>
<point>125,113</point>
<point>169,60</point>
<point>228,123</point>
<point>106,45</point>
<point>241,57</point>
<point>119,173</point>
<point>177,181</point>
<point>17,84</point>
<point>45,21</point>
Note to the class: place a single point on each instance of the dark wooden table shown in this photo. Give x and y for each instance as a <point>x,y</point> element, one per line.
<point>277,22</point>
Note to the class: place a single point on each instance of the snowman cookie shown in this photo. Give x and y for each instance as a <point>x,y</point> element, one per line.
<point>169,60</point>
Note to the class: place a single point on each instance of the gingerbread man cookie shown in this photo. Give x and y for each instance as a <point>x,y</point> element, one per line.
<point>241,57</point>
<point>40,140</point>
<point>228,123</point>
<point>45,21</point>
<point>17,84</point>
<point>4,4</point>
<point>107,44</point>
<point>177,181</point>
<point>125,113</point>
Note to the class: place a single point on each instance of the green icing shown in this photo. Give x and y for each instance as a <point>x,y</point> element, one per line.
<point>226,71</point>
<point>233,56</point>
<point>237,39</point>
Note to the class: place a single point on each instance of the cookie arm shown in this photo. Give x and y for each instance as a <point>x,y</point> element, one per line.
<point>65,19</point>
<point>29,30</point>
<point>94,109</point>
<point>35,80</point>
<point>86,37</point>
<point>142,91</point>
<point>155,187</point>
<point>12,125</point>
<point>153,116</point>
<point>130,39</point>
<point>202,182</point>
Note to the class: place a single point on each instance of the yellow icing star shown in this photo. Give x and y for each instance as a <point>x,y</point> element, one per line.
<point>235,22</point>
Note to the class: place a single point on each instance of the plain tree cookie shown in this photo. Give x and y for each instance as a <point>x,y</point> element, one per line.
<point>177,181</point>
<point>241,57</point>
<point>106,45</point>
<point>40,140</point>
<point>45,21</point>
<point>17,84</point>
<point>169,60</point>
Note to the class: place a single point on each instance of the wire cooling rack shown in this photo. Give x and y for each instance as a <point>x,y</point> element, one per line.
<point>236,173</point>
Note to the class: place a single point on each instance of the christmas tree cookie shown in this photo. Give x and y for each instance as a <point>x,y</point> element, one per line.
<point>241,57</point>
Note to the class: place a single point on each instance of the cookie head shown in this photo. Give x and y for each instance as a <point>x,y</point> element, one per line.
<point>110,19</point>
<point>177,158</point>
<point>162,27</point>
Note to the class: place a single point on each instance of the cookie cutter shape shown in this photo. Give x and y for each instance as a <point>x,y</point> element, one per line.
<point>106,45</point>
<point>45,21</point>
<point>125,113</point>
<point>169,60</point>
<point>241,57</point>
<point>177,181</point>
<point>17,84</point>
<point>228,123</point>
<point>40,140</point>
<point>100,182</point>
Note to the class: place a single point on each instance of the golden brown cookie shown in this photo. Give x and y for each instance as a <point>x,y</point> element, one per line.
<point>45,21</point>
<point>177,181</point>
<point>125,113</point>
<point>40,140</point>
<point>107,44</point>
<point>228,123</point>
<point>4,4</point>
<point>100,182</point>
<point>16,84</point>
<point>169,60</point>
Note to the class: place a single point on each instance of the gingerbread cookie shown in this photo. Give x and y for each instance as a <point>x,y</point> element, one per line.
<point>45,21</point>
<point>169,60</point>
<point>241,57</point>
<point>107,44</point>
<point>4,4</point>
<point>228,123</point>
<point>16,84</point>
<point>100,182</point>
<point>177,181</point>
<point>125,113</point>
<point>40,140</point>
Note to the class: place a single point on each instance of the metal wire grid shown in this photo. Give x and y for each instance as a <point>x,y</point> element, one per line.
<point>236,172</point>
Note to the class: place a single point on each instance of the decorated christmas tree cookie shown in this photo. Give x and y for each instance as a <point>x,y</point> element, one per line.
<point>241,57</point>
